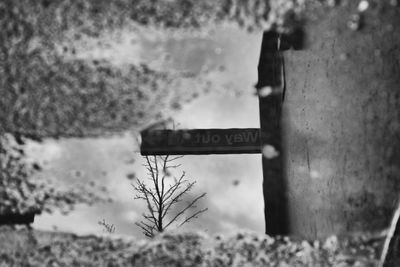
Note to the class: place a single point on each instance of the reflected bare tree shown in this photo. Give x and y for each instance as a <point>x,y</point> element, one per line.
<point>164,196</point>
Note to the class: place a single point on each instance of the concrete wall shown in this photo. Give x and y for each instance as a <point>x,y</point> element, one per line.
<point>341,121</point>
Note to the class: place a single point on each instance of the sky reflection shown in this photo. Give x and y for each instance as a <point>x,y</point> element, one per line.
<point>233,182</point>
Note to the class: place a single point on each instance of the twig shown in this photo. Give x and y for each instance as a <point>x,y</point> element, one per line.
<point>185,209</point>
<point>193,216</point>
<point>394,225</point>
<point>110,228</point>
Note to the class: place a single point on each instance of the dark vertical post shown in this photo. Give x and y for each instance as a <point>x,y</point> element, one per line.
<point>274,186</point>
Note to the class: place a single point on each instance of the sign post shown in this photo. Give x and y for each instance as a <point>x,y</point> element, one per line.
<point>242,141</point>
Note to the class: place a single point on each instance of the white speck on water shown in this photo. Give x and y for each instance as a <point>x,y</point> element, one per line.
<point>265,91</point>
<point>355,22</point>
<point>363,6</point>
<point>269,152</point>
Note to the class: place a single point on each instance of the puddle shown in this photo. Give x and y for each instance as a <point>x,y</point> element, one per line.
<point>233,183</point>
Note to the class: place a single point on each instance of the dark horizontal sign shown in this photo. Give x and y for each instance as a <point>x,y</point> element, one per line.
<point>200,141</point>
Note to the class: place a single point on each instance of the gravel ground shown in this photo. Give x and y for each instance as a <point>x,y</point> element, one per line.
<point>22,247</point>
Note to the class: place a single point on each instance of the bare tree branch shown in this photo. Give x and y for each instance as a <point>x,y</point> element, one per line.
<point>177,198</point>
<point>161,201</point>
<point>187,219</point>
<point>190,205</point>
<point>148,230</point>
<point>177,185</point>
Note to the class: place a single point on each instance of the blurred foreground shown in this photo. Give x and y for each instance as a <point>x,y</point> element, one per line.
<point>22,247</point>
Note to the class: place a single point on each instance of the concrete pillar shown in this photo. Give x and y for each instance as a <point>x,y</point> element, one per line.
<point>341,121</point>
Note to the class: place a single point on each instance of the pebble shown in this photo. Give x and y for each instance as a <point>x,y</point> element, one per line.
<point>332,3</point>
<point>355,22</point>
<point>343,56</point>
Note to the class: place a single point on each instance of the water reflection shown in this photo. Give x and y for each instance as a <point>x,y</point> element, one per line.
<point>232,182</point>
<point>228,59</point>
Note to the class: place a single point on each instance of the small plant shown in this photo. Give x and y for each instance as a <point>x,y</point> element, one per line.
<point>163,195</point>
<point>109,228</point>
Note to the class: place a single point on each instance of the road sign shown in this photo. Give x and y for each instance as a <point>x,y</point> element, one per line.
<point>201,141</point>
